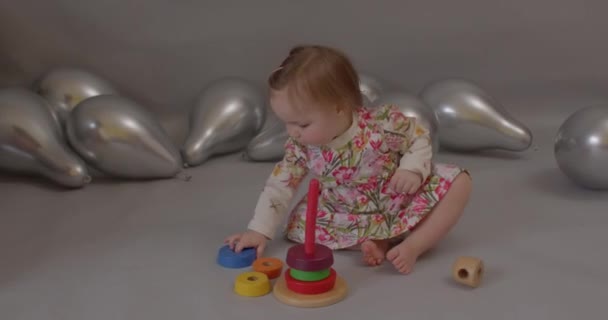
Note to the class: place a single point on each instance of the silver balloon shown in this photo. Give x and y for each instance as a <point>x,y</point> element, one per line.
<point>118,137</point>
<point>228,113</point>
<point>581,147</point>
<point>31,142</point>
<point>470,120</point>
<point>269,144</point>
<point>65,87</point>
<point>412,106</point>
<point>371,87</point>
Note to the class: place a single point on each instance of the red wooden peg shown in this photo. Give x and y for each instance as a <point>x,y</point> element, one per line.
<point>311,217</point>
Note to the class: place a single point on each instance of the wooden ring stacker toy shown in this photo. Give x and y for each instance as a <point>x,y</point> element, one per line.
<point>316,260</point>
<point>468,271</point>
<point>272,267</point>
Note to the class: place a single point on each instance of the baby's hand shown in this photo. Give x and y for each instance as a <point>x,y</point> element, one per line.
<point>248,239</point>
<point>405,181</point>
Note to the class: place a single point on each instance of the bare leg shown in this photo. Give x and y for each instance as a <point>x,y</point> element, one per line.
<point>374,251</point>
<point>439,222</point>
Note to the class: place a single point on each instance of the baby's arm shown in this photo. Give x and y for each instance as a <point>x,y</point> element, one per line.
<point>416,146</point>
<point>279,190</point>
<point>417,156</point>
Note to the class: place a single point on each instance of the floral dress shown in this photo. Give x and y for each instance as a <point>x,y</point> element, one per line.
<point>354,171</point>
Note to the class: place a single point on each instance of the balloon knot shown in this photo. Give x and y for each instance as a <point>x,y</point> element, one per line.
<point>183,176</point>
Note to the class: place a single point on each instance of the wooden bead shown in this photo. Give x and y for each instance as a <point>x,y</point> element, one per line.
<point>468,271</point>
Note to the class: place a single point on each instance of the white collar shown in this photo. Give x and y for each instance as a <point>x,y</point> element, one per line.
<point>347,135</point>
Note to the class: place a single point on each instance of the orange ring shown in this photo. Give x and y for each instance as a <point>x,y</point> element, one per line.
<point>272,267</point>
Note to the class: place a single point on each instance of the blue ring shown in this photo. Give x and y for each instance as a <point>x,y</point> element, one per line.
<point>230,259</point>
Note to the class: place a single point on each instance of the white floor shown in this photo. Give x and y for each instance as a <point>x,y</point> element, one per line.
<point>134,250</point>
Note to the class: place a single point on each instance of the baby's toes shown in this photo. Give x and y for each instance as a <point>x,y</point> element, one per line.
<point>368,259</point>
<point>398,263</point>
<point>392,254</point>
<point>403,268</point>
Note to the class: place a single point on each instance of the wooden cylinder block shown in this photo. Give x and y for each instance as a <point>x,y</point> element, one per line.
<point>468,271</point>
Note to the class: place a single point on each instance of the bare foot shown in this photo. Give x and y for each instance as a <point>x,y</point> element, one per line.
<point>403,256</point>
<point>374,251</point>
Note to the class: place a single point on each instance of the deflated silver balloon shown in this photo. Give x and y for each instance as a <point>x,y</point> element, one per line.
<point>469,119</point>
<point>269,144</point>
<point>412,106</point>
<point>581,147</point>
<point>31,142</point>
<point>119,138</point>
<point>227,115</point>
<point>66,87</point>
<point>371,87</point>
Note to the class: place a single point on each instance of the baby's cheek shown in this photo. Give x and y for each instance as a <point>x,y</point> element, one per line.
<point>317,135</point>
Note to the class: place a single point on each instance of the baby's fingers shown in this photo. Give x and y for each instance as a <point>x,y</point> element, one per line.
<point>397,184</point>
<point>243,243</point>
<point>232,240</point>
<point>405,186</point>
<point>260,250</point>
<point>413,188</point>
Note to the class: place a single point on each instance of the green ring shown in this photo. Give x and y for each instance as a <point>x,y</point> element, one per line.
<point>309,275</point>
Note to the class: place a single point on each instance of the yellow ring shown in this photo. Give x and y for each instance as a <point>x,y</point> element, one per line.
<point>252,284</point>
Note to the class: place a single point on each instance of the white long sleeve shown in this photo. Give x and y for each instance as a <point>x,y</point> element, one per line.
<point>417,157</point>
<point>414,142</point>
<point>279,190</point>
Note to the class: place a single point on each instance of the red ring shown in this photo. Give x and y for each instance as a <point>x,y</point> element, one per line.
<point>311,287</point>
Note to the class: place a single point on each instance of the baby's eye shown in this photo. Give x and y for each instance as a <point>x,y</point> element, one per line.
<point>304,125</point>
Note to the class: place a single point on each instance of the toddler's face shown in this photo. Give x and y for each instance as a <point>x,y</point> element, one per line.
<point>309,125</point>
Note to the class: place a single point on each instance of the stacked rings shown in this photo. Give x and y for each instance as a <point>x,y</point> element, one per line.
<point>310,273</point>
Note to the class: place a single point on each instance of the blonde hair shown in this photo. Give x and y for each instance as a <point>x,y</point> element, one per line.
<point>318,74</point>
